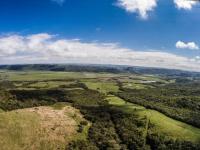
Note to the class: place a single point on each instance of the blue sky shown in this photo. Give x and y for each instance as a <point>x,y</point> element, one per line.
<point>154,33</point>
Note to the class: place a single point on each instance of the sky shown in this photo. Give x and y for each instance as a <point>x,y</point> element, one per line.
<point>151,33</point>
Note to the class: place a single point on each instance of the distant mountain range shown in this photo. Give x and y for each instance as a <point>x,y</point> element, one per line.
<point>100,68</point>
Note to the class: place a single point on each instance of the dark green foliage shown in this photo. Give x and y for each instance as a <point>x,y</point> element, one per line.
<point>179,101</point>
<point>46,95</point>
<point>74,85</point>
<point>130,129</point>
<point>84,123</point>
<point>81,145</point>
<point>160,142</point>
<point>6,85</point>
<point>102,133</point>
<point>85,97</point>
<point>17,99</point>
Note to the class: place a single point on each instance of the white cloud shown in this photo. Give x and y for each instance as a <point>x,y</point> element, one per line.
<point>142,7</point>
<point>189,45</point>
<point>45,48</point>
<point>185,4</point>
<point>60,2</point>
<point>196,59</point>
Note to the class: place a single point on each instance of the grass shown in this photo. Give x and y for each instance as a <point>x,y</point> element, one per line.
<point>82,135</point>
<point>103,87</point>
<point>50,75</point>
<point>78,118</point>
<point>1,111</point>
<point>59,105</point>
<point>38,128</point>
<point>162,124</point>
<point>126,106</point>
<point>39,76</point>
<point>15,128</point>
<point>171,127</point>
<point>135,86</point>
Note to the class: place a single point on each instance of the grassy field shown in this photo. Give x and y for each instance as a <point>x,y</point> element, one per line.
<point>50,84</point>
<point>103,87</point>
<point>103,82</point>
<point>162,124</point>
<point>171,127</point>
<point>48,75</point>
<point>135,86</point>
<point>39,128</point>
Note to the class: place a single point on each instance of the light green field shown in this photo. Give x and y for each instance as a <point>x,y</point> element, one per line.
<point>171,127</point>
<point>116,101</point>
<point>135,86</point>
<point>139,78</point>
<point>39,76</point>
<point>42,128</point>
<point>103,87</point>
<point>50,75</point>
<point>162,124</point>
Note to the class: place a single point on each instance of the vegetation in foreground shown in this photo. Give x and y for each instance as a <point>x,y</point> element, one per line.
<point>132,121</point>
<point>160,123</point>
<point>38,128</point>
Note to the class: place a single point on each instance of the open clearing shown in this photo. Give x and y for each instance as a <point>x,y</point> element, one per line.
<point>50,75</point>
<point>162,124</point>
<point>38,128</point>
<point>102,87</point>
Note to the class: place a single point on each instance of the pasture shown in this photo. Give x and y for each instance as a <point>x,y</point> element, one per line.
<point>161,123</point>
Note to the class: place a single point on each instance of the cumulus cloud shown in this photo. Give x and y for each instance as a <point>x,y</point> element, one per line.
<point>46,48</point>
<point>189,45</point>
<point>142,7</point>
<point>60,2</point>
<point>185,4</point>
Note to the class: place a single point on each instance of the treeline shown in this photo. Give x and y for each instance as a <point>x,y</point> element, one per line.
<point>60,67</point>
<point>12,98</point>
<point>180,101</point>
<point>161,142</point>
<point>18,99</point>
<point>111,129</point>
